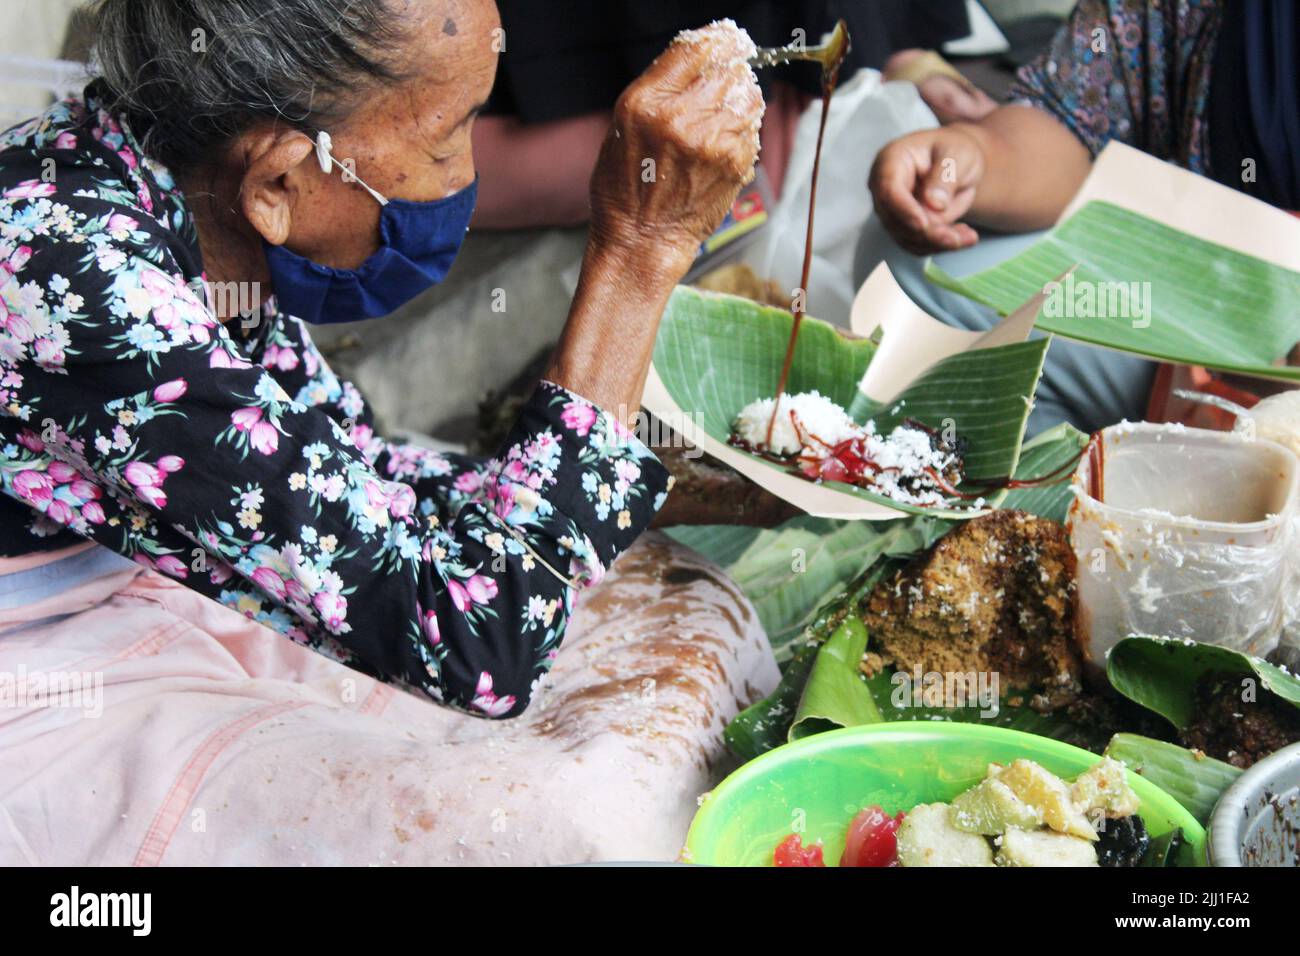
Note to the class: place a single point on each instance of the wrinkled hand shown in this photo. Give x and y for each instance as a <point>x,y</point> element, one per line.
<point>923,183</point>
<point>683,142</point>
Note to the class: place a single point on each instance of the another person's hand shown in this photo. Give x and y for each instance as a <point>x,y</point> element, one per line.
<point>683,142</point>
<point>924,183</point>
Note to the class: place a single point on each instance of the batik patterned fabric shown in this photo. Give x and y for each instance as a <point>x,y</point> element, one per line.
<point>1136,71</point>
<point>233,459</point>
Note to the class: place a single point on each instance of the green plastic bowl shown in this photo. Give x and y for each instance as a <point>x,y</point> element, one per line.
<point>822,781</point>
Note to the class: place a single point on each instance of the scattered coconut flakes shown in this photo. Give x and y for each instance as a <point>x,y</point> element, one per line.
<point>721,35</point>
<point>904,455</point>
<point>730,49</point>
<point>911,452</point>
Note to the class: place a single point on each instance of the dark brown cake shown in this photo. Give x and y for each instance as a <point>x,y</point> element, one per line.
<point>995,595</point>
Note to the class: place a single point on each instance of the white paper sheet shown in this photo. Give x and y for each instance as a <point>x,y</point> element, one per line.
<point>1198,206</point>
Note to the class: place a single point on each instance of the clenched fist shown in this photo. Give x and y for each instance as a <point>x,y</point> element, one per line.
<point>923,184</point>
<point>683,142</point>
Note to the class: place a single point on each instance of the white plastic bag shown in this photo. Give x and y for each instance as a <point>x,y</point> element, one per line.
<point>866,114</point>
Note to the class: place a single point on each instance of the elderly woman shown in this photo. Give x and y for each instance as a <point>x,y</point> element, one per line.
<point>244,168</point>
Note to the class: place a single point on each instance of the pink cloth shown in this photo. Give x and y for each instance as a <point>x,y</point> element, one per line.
<point>203,738</point>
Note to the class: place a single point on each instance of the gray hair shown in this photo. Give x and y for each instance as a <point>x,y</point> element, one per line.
<point>188,76</point>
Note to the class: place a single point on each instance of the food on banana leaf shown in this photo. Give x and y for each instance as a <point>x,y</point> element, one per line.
<point>799,416</point>
<point>1237,727</point>
<point>995,596</point>
<point>912,465</point>
<point>1220,702</point>
<point>1020,814</point>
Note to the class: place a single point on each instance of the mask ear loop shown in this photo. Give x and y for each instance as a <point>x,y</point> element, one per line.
<point>324,156</point>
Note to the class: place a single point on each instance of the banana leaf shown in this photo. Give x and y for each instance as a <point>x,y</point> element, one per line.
<point>1205,304</point>
<point>1196,782</point>
<point>717,353</point>
<point>835,695</point>
<point>791,571</point>
<point>765,724</point>
<point>801,608</point>
<point>1058,725</point>
<point>1056,450</point>
<point>1162,674</point>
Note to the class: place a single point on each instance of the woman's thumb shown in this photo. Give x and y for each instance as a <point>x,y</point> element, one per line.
<point>941,182</point>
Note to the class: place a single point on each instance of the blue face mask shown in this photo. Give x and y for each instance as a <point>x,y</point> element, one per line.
<point>418,243</point>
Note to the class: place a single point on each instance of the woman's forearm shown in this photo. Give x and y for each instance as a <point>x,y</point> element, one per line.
<point>1034,166</point>
<point>684,137</point>
<point>604,352</point>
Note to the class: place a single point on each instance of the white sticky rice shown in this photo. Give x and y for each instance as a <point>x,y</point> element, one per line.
<point>905,455</point>
<point>817,415</point>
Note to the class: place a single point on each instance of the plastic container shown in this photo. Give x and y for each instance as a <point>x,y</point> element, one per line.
<point>1257,820</point>
<point>1277,418</point>
<point>817,785</point>
<point>1192,538</point>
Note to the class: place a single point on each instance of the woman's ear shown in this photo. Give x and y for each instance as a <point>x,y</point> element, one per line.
<point>278,169</point>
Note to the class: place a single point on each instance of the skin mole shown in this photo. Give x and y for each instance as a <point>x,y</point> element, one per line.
<point>449,27</point>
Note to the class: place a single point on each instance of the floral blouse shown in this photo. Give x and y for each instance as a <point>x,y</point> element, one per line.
<point>1136,71</point>
<point>244,467</point>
